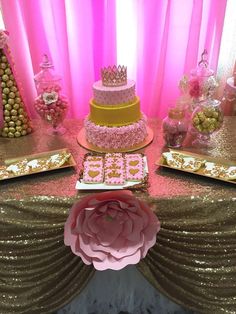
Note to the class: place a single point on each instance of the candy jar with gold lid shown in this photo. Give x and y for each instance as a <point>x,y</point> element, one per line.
<point>50,104</point>
<point>206,119</point>
<point>175,127</point>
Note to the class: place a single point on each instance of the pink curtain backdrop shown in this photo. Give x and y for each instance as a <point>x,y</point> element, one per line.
<point>80,37</point>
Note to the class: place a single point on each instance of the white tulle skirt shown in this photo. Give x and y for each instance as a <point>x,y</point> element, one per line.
<point>125,291</point>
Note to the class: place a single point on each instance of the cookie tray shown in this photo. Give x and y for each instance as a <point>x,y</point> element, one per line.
<point>69,163</point>
<point>162,162</point>
<point>80,185</point>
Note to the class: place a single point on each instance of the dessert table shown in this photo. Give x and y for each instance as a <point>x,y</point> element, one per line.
<point>192,263</point>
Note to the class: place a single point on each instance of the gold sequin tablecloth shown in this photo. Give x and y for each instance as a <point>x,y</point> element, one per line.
<point>193,261</point>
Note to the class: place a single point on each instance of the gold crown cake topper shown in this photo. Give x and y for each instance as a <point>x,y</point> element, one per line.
<point>114,76</point>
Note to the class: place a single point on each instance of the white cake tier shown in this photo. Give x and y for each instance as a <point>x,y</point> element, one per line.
<point>106,95</point>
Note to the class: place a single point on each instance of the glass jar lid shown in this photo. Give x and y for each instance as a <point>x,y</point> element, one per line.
<point>47,73</point>
<point>202,69</point>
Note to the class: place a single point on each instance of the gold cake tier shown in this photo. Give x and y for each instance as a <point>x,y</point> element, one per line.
<point>119,115</point>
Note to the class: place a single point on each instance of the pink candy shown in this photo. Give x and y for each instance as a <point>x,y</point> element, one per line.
<point>55,112</point>
<point>43,87</point>
<point>174,133</point>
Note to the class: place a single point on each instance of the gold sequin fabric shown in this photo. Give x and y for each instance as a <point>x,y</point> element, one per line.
<point>38,273</point>
<point>193,261</point>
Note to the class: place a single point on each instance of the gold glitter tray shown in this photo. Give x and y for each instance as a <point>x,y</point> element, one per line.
<point>65,160</point>
<point>218,161</point>
<point>130,185</point>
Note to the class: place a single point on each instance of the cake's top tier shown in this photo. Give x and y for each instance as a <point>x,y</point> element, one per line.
<point>113,95</point>
<point>114,76</point>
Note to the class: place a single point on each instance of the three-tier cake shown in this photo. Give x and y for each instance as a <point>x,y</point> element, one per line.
<point>115,120</point>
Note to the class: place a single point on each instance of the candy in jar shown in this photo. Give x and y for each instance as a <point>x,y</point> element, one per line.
<point>50,104</point>
<point>175,128</point>
<point>207,117</point>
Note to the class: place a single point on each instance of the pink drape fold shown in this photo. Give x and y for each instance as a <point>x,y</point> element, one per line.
<point>172,36</point>
<point>19,45</point>
<point>80,37</point>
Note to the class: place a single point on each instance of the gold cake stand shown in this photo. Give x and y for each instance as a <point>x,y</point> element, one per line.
<point>81,139</point>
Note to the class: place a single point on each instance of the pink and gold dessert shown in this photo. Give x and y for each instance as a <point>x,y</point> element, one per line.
<point>93,170</point>
<point>3,172</point>
<point>220,171</point>
<point>19,168</point>
<point>115,120</point>
<point>173,160</point>
<point>114,169</point>
<point>134,167</point>
<point>114,176</point>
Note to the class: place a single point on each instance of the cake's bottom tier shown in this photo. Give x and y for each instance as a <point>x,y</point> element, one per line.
<point>116,137</point>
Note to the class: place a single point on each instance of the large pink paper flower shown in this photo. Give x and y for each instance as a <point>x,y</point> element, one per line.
<point>111,230</point>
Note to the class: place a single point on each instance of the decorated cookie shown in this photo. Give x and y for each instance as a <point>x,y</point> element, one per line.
<point>37,165</point>
<point>133,156</point>
<point>134,167</point>
<point>4,174</point>
<point>114,161</point>
<point>173,160</point>
<point>135,173</point>
<point>92,174</point>
<point>214,170</point>
<point>95,164</point>
<point>191,164</point>
<point>95,159</point>
<point>114,169</point>
<point>229,173</point>
<point>58,160</point>
<point>114,176</point>
<point>113,155</point>
<point>19,168</point>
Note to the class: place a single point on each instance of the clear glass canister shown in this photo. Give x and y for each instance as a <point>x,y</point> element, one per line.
<point>208,116</point>
<point>50,104</point>
<point>202,83</point>
<point>229,97</point>
<point>175,127</point>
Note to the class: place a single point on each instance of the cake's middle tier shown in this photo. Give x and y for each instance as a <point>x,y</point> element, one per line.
<point>118,115</point>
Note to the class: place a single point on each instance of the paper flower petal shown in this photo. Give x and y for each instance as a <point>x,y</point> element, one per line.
<point>111,230</point>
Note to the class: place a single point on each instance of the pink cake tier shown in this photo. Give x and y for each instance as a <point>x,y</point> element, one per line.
<point>113,95</point>
<point>116,137</point>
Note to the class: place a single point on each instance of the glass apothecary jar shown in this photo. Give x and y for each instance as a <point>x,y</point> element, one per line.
<point>200,85</point>
<point>50,104</point>
<point>175,128</point>
<point>207,118</point>
<point>229,97</point>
